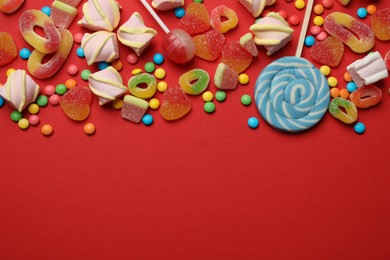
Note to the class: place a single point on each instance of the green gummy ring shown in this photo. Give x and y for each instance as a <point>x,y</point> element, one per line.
<point>201,77</point>
<point>139,92</point>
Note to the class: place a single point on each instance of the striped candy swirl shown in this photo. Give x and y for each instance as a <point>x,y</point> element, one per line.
<point>291,94</point>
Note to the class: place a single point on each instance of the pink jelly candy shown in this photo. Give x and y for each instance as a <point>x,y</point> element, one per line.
<point>366,96</point>
<point>248,43</point>
<point>196,20</point>
<point>380,24</point>
<point>62,14</point>
<point>76,103</point>
<point>208,46</point>
<point>328,52</point>
<point>235,56</point>
<point>134,108</point>
<point>225,77</point>
<point>10,6</point>
<point>8,50</point>
<point>175,104</point>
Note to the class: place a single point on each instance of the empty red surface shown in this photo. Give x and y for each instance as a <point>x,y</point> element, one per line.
<point>204,187</point>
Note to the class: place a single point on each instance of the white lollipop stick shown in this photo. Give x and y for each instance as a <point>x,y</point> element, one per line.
<point>155,16</point>
<point>309,7</point>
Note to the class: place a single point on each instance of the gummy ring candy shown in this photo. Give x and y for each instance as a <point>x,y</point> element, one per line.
<point>31,18</point>
<point>223,11</point>
<point>291,94</point>
<point>143,93</point>
<point>201,77</point>
<point>337,23</point>
<point>49,68</point>
<point>366,96</point>
<point>351,111</point>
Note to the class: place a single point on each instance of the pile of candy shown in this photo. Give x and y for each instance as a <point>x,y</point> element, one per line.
<point>291,94</point>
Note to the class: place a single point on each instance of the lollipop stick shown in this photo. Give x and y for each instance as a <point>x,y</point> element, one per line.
<point>155,16</point>
<point>305,24</point>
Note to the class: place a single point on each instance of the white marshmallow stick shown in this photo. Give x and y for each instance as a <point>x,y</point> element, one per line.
<point>302,35</point>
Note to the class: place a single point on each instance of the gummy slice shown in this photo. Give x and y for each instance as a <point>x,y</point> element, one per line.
<point>175,105</point>
<point>220,12</point>
<point>208,46</point>
<point>225,77</point>
<point>196,20</point>
<point>76,103</point>
<point>328,52</point>
<point>248,43</point>
<point>349,116</point>
<point>366,96</point>
<point>10,6</point>
<point>8,50</point>
<point>62,14</point>
<point>195,81</point>
<point>235,56</point>
<point>380,24</point>
<point>134,108</point>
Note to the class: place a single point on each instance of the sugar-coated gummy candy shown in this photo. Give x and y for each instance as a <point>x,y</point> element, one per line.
<point>134,108</point>
<point>175,104</point>
<point>32,18</point>
<point>10,6</point>
<point>49,68</point>
<point>357,35</point>
<point>178,46</point>
<point>249,45</point>
<point>229,16</point>
<point>62,14</point>
<point>235,56</point>
<point>196,20</point>
<point>349,116</point>
<point>225,77</point>
<point>328,52</point>
<point>8,50</point>
<point>195,81</point>
<point>380,24</point>
<point>144,78</point>
<point>208,46</point>
<point>76,103</point>
<point>366,96</point>
<point>73,3</point>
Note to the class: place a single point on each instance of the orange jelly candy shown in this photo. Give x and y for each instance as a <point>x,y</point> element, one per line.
<point>380,23</point>
<point>208,46</point>
<point>45,44</point>
<point>176,104</point>
<point>76,103</point>
<point>229,23</point>
<point>235,56</point>
<point>366,96</point>
<point>328,52</point>
<point>8,50</point>
<point>196,20</point>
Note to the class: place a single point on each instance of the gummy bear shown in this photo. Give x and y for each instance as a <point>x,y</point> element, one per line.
<point>176,104</point>
<point>328,52</point>
<point>76,103</point>
<point>380,24</point>
<point>8,50</point>
<point>220,12</point>
<point>235,56</point>
<point>196,20</point>
<point>208,46</point>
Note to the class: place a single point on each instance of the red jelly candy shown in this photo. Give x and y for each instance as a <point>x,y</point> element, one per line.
<point>10,6</point>
<point>8,50</point>
<point>235,56</point>
<point>328,52</point>
<point>208,46</point>
<point>366,96</point>
<point>380,24</point>
<point>248,43</point>
<point>134,108</point>
<point>196,20</point>
<point>175,105</point>
<point>76,103</point>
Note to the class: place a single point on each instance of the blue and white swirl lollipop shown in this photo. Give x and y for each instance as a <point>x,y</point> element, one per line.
<point>291,94</point>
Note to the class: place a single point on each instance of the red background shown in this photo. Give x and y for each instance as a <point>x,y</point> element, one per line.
<point>203,187</point>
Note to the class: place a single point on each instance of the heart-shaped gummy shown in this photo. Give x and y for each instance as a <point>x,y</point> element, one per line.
<point>208,46</point>
<point>380,23</point>
<point>176,104</point>
<point>328,52</point>
<point>196,20</point>
<point>235,56</point>
<point>8,50</point>
<point>76,103</point>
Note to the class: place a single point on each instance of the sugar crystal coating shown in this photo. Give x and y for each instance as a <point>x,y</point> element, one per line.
<point>196,20</point>
<point>366,96</point>
<point>76,103</point>
<point>380,24</point>
<point>349,116</point>
<point>328,52</point>
<point>134,108</point>
<point>195,81</point>
<point>218,14</point>
<point>235,56</point>
<point>175,104</point>
<point>208,46</point>
<point>8,49</point>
